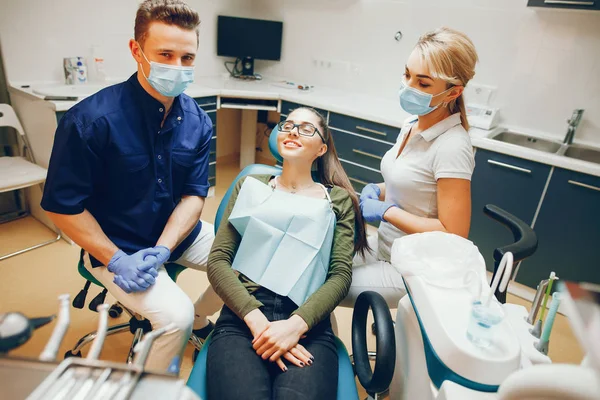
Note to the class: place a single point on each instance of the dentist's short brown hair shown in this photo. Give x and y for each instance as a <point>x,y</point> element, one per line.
<point>171,12</point>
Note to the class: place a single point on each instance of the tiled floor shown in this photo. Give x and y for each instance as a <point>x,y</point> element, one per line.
<point>31,282</point>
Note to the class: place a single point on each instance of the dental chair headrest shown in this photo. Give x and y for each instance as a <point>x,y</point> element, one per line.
<point>273,144</point>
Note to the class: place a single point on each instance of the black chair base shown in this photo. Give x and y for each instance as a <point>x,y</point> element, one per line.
<point>137,326</point>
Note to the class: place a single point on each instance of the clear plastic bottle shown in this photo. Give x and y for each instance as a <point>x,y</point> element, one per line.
<point>99,70</point>
<point>98,74</point>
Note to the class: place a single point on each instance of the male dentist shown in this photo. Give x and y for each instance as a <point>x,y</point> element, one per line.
<point>128,177</point>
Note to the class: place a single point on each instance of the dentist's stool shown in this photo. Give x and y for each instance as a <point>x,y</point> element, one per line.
<point>137,325</point>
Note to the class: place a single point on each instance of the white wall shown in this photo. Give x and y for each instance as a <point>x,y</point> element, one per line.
<point>36,34</point>
<point>544,63</point>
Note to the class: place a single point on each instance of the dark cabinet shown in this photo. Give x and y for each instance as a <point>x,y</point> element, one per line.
<point>59,115</point>
<point>209,105</point>
<point>574,4</point>
<point>513,184</point>
<point>568,230</point>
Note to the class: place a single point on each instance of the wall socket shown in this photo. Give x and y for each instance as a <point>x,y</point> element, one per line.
<point>337,66</point>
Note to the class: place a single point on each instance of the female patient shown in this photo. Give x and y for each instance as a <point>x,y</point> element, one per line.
<point>282,261</point>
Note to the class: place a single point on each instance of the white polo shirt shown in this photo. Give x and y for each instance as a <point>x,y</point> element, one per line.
<point>442,151</point>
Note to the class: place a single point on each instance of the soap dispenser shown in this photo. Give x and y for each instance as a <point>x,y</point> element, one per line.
<point>81,72</point>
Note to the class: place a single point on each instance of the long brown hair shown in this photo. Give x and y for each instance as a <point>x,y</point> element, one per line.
<point>330,172</point>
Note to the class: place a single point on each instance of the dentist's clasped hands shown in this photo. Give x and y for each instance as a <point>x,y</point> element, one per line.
<point>138,271</point>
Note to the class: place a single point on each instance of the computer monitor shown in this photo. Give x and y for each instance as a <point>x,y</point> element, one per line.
<point>249,39</point>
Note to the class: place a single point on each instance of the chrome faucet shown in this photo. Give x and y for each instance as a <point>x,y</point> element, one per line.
<point>573,124</point>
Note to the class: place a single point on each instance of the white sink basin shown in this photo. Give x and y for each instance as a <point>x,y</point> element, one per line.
<point>519,139</point>
<point>68,90</point>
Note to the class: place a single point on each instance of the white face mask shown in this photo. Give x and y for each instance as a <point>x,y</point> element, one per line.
<point>168,80</point>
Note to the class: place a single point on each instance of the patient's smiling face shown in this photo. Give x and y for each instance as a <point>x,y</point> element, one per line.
<point>297,144</point>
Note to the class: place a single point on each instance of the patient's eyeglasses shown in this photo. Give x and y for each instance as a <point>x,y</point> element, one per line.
<point>304,129</point>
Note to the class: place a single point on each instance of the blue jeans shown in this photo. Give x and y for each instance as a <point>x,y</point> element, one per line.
<point>235,371</point>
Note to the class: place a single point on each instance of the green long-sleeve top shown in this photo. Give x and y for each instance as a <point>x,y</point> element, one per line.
<point>236,289</point>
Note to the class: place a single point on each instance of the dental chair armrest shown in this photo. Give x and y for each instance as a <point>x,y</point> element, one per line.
<point>525,239</point>
<point>551,381</point>
<point>379,380</point>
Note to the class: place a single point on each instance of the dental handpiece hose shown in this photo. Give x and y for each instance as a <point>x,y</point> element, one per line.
<point>553,277</point>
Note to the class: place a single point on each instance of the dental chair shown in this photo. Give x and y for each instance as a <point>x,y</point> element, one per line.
<point>374,381</point>
<point>435,360</point>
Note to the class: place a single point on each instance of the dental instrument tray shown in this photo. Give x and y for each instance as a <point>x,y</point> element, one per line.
<point>76,378</point>
<point>95,379</point>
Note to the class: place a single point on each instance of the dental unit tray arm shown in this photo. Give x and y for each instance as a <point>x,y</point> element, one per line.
<point>379,380</point>
<point>525,240</point>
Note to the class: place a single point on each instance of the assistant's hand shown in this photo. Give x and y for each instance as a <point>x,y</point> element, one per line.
<point>373,210</point>
<point>371,191</point>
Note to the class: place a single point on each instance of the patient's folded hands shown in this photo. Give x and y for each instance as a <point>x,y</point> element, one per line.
<point>280,339</point>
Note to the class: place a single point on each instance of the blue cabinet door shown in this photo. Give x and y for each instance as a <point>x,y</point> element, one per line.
<point>568,229</point>
<point>59,115</point>
<point>511,183</point>
<point>209,105</point>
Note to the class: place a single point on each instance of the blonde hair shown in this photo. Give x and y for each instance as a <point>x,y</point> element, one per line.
<point>450,55</point>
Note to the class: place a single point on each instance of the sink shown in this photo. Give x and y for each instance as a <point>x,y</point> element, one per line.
<point>583,153</point>
<point>530,142</point>
<point>68,90</point>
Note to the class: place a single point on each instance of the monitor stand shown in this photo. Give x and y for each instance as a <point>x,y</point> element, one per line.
<point>247,67</point>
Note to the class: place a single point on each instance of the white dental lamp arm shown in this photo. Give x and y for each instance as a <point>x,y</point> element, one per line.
<point>552,381</point>
<point>142,349</point>
<point>96,348</point>
<point>62,324</point>
<point>503,274</point>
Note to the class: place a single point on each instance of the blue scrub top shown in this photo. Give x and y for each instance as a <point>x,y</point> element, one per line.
<point>112,157</point>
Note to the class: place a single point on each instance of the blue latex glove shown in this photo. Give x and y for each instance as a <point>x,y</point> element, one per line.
<point>373,210</point>
<point>163,255</point>
<point>371,191</point>
<point>134,273</point>
<point>157,259</point>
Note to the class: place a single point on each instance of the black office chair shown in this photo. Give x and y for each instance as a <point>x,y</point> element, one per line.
<point>137,325</point>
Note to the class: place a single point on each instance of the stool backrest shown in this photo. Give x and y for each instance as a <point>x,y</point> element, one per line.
<point>8,117</point>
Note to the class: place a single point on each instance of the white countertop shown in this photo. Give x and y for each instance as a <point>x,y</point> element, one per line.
<point>372,108</point>
<point>381,110</point>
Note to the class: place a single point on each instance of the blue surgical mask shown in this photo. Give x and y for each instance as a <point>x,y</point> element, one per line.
<point>168,80</point>
<point>414,101</point>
